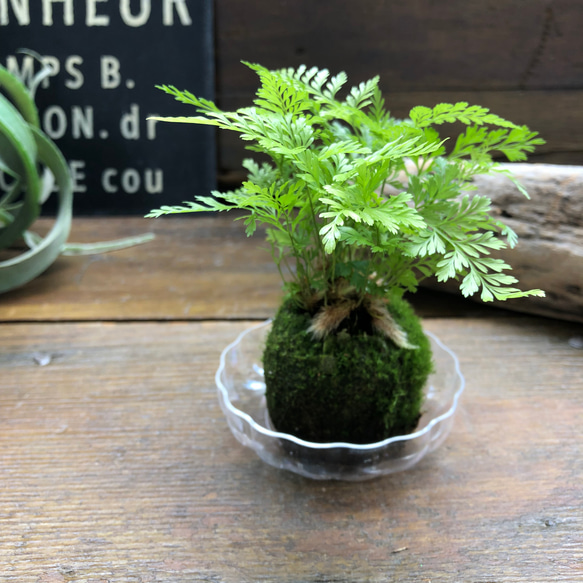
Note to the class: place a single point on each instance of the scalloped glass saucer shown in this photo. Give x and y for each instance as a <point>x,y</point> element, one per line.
<point>241,391</point>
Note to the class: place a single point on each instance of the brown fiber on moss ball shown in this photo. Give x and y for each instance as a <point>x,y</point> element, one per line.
<point>352,386</point>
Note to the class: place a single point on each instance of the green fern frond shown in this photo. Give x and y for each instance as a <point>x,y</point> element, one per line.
<point>322,199</point>
<point>449,113</point>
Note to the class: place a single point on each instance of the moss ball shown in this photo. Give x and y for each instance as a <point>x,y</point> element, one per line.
<point>354,387</point>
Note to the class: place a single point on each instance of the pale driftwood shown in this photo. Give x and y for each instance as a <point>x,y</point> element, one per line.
<point>549,254</point>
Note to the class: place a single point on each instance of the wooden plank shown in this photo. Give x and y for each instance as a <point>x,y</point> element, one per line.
<point>196,268</point>
<point>523,60</point>
<point>415,46</point>
<point>118,466</point>
<point>520,59</point>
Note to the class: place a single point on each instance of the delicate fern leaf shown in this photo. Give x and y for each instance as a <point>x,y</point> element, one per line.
<point>351,146</point>
<point>493,287</point>
<point>508,232</point>
<point>362,95</point>
<point>400,148</point>
<point>324,191</point>
<point>425,244</point>
<point>396,215</point>
<point>519,141</point>
<point>453,262</point>
<point>360,238</point>
<point>330,234</point>
<point>334,85</point>
<point>184,96</point>
<point>198,120</point>
<point>513,293</point>
<point>278,95</point>
<point>471,283</point>
<point>478,142</point>
<point>263,175</point>
<point>449,113</point>
<point>317,80</point>
<point>189,207</point>
<point>377,110</point>
<point>250,222</point>
<point>421,116</point>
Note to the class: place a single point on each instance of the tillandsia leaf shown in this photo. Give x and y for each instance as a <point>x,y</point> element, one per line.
<point>74,249</point>
<point>33,240</point>
<point>45,71</point>
<point>19,153</point>
<point>24,149</point>
<point>20,95</point>
<point>25,267</point>
<point>323,198</point>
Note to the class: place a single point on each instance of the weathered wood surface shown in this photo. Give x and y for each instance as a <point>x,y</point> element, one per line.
<point>549,254</point>
<point>521,59</point>
<point>117,466</point>
<point>499,44</point>
<point>203,267</point>
<point>196,268</point>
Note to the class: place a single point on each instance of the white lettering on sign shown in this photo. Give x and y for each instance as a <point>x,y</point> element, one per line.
<point>25,72</point>
<point>181,10</point>
<point>130,180</point>
<point>82,122</point>
<point>55,122</point>
<point>24,69</point>
<point>91,16</point>
<point>140,19</point>
<point>71,64</point>
<point>151,128</point>
<point>53,63</point>
<point>110,76</point>
<point>77,169</point>
<point>20,10</point>
<point>68,16</point>
<point>130,123</point>
<point>95,15</point>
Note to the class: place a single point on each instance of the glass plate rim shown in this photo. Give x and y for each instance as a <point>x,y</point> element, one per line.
<point>337,444</point>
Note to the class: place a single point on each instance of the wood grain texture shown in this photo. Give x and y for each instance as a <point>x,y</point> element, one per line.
<point>488,45</point>
<point>117,466</point>
<point>550,227</point>
<point>523,60</point>
<point>197,268</point>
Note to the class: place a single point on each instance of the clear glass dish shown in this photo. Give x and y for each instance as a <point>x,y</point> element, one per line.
<point>241,391</point>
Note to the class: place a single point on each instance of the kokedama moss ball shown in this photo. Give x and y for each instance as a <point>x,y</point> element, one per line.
<point>354,386</point>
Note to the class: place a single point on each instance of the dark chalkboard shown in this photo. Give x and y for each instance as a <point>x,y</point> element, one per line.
<point>107,56</point>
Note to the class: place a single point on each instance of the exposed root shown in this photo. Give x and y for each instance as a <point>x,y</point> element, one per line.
<point>329,318</point>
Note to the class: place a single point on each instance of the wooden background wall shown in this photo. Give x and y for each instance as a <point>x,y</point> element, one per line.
<point>521,58</point>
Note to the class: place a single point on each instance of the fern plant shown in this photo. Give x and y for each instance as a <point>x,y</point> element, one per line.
<point>353,196</point>
<point>358,207</point>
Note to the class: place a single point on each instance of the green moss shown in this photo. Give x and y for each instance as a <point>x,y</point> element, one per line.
<point>353,386</point>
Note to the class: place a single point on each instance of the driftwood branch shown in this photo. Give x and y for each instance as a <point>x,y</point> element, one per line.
<point>549,254</point>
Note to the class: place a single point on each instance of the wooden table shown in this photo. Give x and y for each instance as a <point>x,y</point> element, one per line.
<point>116,464</point>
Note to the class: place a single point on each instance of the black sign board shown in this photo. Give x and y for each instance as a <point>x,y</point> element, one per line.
<point>107,56</point>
